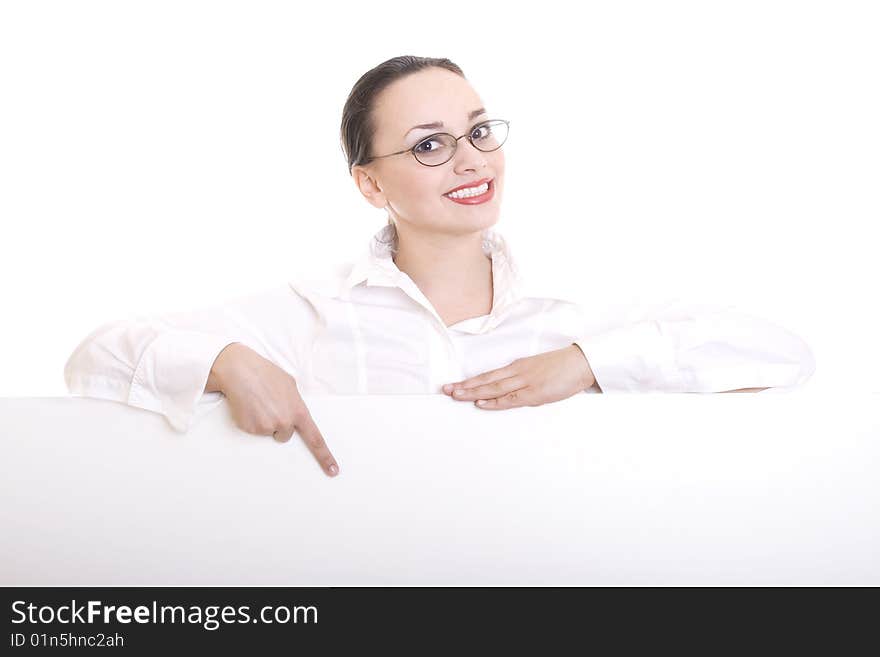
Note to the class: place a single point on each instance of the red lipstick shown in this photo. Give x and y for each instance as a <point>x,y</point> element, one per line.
<point>474,200</point>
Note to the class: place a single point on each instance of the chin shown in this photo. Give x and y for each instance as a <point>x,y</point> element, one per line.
<point>486,222</point>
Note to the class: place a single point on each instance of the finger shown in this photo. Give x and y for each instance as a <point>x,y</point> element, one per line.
<point>284,432</point>
<point>310,433</point>
<point>490,390</point>
<point>510,400</point>
<point>487,377</point>
<point>283,435</point>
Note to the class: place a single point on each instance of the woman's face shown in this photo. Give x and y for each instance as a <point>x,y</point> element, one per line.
<point>412,193</point>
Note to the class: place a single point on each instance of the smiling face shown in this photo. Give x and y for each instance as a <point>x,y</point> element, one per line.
<point>414,194</point>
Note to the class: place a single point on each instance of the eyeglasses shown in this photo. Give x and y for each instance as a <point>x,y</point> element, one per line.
<point>437,149</point>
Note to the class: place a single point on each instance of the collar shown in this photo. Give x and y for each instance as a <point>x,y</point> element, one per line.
<point>375,266</point>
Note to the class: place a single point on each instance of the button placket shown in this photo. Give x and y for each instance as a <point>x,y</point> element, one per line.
<point>456,366</point>
<point>437,341</point>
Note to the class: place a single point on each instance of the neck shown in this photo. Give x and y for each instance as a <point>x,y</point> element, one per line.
<point>448,269</point>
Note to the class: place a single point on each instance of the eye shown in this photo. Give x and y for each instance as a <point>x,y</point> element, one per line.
<point>481,131</point>
<point>425,146</point>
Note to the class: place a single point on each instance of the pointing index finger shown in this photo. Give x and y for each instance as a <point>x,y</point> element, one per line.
<point>310,433</point>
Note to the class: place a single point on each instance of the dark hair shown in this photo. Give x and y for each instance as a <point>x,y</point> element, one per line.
<point>358,127</point>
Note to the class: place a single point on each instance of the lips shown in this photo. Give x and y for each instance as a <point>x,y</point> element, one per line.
<point>488,195</point>
<point>475,183</point>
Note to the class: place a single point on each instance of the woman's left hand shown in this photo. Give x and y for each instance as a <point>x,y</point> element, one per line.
<point>531,381</point>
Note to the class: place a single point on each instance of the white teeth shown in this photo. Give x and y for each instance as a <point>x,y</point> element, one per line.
<point>470,191</point>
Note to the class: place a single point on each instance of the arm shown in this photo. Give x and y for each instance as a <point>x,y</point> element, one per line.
<point>163,363</point>
<point>679,347</point>
<point>214,382</point>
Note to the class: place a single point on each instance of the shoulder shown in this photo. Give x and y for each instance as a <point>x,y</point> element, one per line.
<point>325,281</point>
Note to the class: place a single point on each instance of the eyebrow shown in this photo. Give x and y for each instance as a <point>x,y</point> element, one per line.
<point>439,124</point>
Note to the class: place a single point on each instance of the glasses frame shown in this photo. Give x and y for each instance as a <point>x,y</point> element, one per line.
<point>454,150</point>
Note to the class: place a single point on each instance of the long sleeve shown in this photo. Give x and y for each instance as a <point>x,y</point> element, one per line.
<point>161,363</point>
<point>681,347</point>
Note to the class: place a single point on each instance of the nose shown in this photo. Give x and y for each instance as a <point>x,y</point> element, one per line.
<point>467,157</point>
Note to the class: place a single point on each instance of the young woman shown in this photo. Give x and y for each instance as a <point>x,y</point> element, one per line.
<point>436,304</point>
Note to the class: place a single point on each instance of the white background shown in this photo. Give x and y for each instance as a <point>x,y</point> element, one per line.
<point>158,156</point>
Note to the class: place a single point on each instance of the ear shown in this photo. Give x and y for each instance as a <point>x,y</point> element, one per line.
<point>369,187</point>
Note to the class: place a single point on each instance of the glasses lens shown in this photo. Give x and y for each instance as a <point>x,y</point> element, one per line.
<point>438,149</point>
<point>490,135</point>
<point>435,150</point>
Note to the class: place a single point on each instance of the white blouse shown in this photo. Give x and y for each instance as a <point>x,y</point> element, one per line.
<point>366,328</point>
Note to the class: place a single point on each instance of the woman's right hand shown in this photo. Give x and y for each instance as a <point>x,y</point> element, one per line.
<point>264,400</point>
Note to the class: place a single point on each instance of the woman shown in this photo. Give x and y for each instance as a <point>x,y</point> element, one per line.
<point>436,303</point>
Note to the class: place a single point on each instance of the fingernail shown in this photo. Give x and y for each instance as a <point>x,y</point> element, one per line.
<point>447,387</point>
<point>459,392</point>
<point>480,402</point>
<point>333,469</point>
